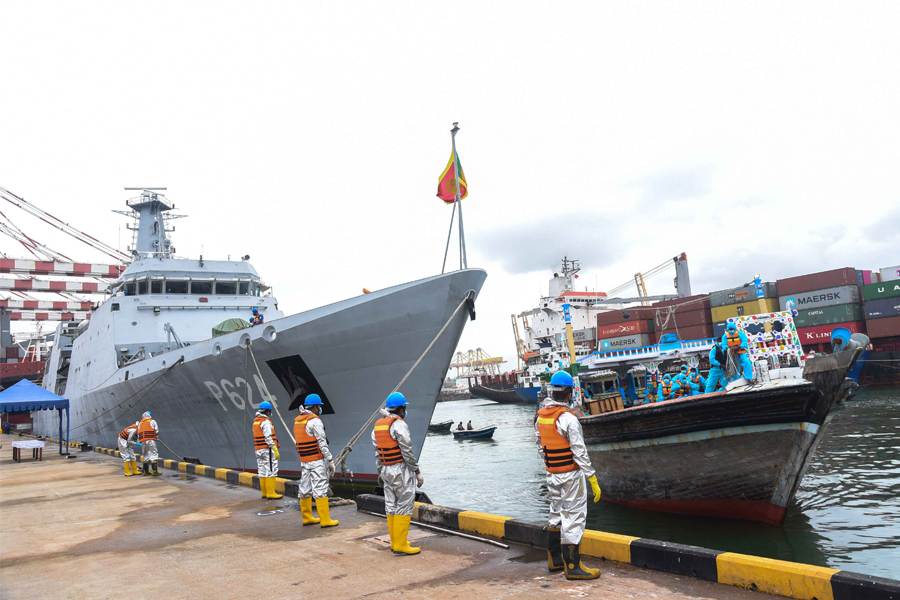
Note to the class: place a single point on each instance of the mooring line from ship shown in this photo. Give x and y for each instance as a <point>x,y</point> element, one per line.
<point>147,387</point>
<point>181,458</point>
<point>442,530</point>
<point>270,397</point>
<point>342,455</point>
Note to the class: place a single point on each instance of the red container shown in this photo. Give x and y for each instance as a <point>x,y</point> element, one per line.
<point>888,344</point>
<point>628,328</point>
<point>699,332</point>
<point>883,328</point>
<point>690,303</point>
<point>653,338</point>
<point>12,352</point>
<point>614,317</point>
<point>687,319</point>
<point>822,334</point>
<point>817,281</point>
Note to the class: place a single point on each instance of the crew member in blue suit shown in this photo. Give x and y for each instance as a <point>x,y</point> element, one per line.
<point>738,340</point>
<point>666,391</point>
<point>257,318</point>
<point>696,381</point>
<point>717,361</point>
<point>680,382</point>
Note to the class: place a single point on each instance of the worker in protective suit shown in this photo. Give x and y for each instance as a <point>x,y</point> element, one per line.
<point>560,442</point>
<point>696,381</point>
<point>665,391</point>
<point>148,431</point>
<point>315,460</point>
<point>127,439</point>
<point>717,360</point>
<point>265,443</point>
<point>737,342</point>
<point>398,470</point>
<point>257,318</point>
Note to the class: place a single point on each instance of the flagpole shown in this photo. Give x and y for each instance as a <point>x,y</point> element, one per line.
<point>450,231</point>
<point>463,262</point>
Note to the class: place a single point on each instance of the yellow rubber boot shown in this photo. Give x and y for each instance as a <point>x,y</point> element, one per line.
<point>128,472</point>
<point>134,468</point>
<point>574,568</point>
<point>390,520</point>
<point>271,489</point>
<point>306,511</point>
<point>401,532</point>
<point>324,517</point>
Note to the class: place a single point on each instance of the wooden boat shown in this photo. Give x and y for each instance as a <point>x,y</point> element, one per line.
<point>442,426</point>
<point>482,432</point>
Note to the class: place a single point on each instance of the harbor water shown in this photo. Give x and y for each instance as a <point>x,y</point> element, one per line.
<point>846,514</point>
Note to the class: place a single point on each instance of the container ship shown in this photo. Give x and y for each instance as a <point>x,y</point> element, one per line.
<point>151,346</point>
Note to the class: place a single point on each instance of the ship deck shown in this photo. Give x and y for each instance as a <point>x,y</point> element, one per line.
<point>74,528</point>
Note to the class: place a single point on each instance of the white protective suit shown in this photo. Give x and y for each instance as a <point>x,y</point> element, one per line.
<point>266,463</point>
<point>149,447</point>
<point>568,491</point>
<point>400,479</point>
<point>126,447</point>
<point>314,475</point>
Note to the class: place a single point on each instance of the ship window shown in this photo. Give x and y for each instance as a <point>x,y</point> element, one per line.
<point>201,287</point>
<point>228,288</point>
<point>142,287</point>
<point>129,288</point>
<point>244,288</point>
<point>115,306</point>
<point>254,289</point>
<point>156,287</point>
<point>176,286</point>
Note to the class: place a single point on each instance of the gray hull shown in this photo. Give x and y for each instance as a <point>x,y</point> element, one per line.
<point>354,352</point>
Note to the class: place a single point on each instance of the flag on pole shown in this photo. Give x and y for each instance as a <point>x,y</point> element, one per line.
<point>447,182</point>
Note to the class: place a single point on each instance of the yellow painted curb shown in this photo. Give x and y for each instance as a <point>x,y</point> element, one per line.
<point>483,523</point>
<point>168,464</point>
<point>201,469</point>
<point>779,577</point>
<point>610,546</point>
<point>246,479</point>
<point>279,484</point>
<point>222,474</point>
<point>182,467</point>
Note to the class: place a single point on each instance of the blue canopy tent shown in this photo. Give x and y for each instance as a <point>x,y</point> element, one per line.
<point>26,396</point>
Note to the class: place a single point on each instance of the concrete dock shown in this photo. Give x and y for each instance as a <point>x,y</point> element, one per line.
<point>78,528</point>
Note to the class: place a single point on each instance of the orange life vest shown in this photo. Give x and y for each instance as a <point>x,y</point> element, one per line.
<point>388,448</point>
<point>558,456</point>
<point>734,340</point>
<point>259,438</point>
<point>145,431</point>
<point>666,388</point>
<point>695,379</point>
<point>124,434</point>
<point>679,391</point>
<point>307,445</point>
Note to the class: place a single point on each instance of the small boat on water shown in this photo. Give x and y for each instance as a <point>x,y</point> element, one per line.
<point>442,426</point>
<point>481,432</point>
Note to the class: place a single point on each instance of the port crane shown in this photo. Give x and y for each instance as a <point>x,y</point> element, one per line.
<point>476,362</point>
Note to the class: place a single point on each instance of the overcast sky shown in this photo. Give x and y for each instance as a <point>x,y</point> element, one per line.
<point>757,138</point>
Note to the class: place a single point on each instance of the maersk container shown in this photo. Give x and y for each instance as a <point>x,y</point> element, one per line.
<point>882,308</point>
<point>623,343</point>
<point>847,294</point>
<point>754,307</point>
<point>883,328</point>
<point>745,294</point>
<point>890,273</point>
<point>828,315</point>
<point>816,281</point>
<point>585,335</point>
<point>885,289</point>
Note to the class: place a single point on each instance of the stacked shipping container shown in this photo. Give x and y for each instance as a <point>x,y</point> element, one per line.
<point>882,311</point>
<point>615,331</point>
<point>737,303</point>
<point>824,300</point>
<point>690,319</point>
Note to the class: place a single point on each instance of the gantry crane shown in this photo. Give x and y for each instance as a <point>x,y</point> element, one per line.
<point>476,362</point>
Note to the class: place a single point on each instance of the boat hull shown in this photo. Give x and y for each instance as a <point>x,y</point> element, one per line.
<point>738,454</point>
<point>353,353</point>
<point>517,395</point>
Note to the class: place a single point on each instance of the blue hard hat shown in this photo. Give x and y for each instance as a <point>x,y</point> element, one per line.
<point>395,399</point>
<point>731,327</point>
<point>255,311</point>
<point>265,405</point>
<point>312,399</point>
<point>562,379</point>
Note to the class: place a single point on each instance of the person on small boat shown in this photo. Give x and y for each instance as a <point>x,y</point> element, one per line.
<point>717,361</point>
<point>560,442</point>
<point>696,381</point>
<point>738,343</point>
<point>666,391</point>
<point>460,427</point>
<point>469,426</point>
<point>398,469</point>
<point>315,462</point>
<point>682,379</point>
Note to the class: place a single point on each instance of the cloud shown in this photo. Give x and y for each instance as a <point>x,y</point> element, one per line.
<point>680,184</point>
